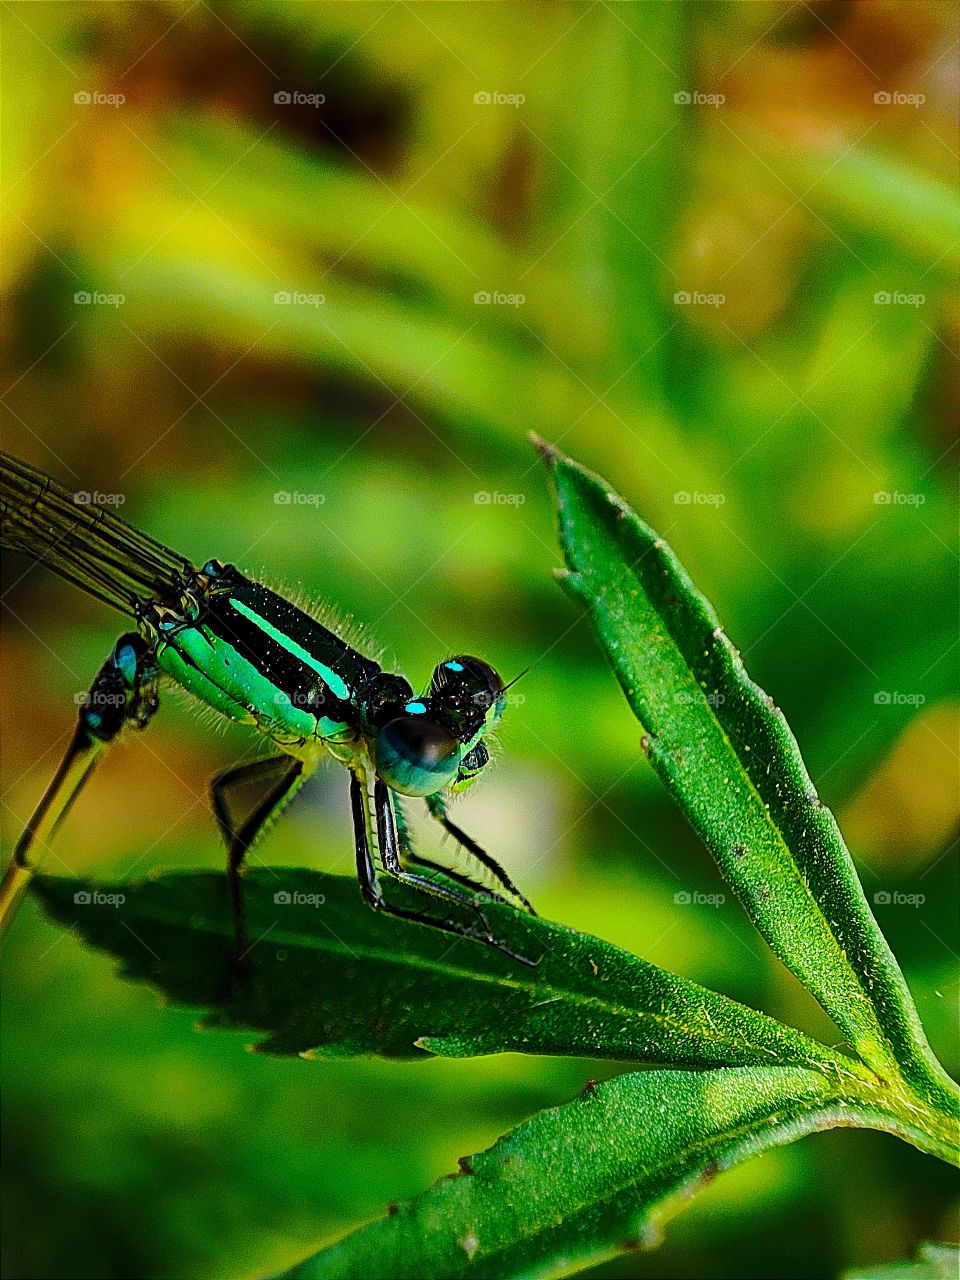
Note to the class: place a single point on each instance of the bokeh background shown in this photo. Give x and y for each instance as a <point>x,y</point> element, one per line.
<point>718,243</point>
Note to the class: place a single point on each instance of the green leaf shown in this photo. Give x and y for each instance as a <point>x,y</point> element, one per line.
<point>331,977</point>
<point>723,749</point>
<point>587,1180</point>
<point>934,1262</point>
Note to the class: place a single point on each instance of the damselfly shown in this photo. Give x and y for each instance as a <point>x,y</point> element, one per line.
<point>257,659</point>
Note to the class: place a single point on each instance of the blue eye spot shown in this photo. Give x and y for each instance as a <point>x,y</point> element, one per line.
<point>126,661</point>
<point>415,708</point>
<point>454,666</point>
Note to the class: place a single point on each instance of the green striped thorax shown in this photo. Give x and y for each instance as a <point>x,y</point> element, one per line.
<point>257,658</point>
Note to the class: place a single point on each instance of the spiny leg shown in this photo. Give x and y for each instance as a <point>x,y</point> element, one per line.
<point>367,876</point>
<point>285,773</point>
<point>387,841</point>
<point>407,851</point>
<point>124,692</point>
<point>388,852</point>
<point>438,810</point>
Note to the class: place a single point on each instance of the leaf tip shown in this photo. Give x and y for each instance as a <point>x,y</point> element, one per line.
<point>547,452</point>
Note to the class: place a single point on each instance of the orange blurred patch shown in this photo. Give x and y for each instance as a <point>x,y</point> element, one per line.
<point>906,812</point>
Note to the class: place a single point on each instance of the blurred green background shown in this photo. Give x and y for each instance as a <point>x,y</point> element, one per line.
<point>785,167</point>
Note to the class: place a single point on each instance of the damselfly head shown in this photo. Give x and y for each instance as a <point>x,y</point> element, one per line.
<point>423,745</point>
<point>412,752</point>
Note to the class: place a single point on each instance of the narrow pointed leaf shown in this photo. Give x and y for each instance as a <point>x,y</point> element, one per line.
<point>328,976</point>
<point>587,1180</point>
<point>724,750</point>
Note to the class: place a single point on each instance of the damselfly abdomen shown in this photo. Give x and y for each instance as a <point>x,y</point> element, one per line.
<point>257,659</point>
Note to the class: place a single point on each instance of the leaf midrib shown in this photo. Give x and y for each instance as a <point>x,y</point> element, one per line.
<point>823,1065</point>
<point>740,675</point>
<point>650,1171</point>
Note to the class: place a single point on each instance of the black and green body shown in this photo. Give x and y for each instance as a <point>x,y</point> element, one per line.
<point>257,659</point>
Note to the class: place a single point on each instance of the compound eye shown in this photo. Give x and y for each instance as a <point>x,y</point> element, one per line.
<point>416,756</point>
<point>469,678</point>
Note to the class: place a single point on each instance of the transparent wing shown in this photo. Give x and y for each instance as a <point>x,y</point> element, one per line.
<point>82,542</point>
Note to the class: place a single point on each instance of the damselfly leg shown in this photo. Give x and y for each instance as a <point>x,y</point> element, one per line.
<point>409,854</point>
<point>282,776</point>
<point>389,856</point>
<point>438,810</point>
<point>387,840</point>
